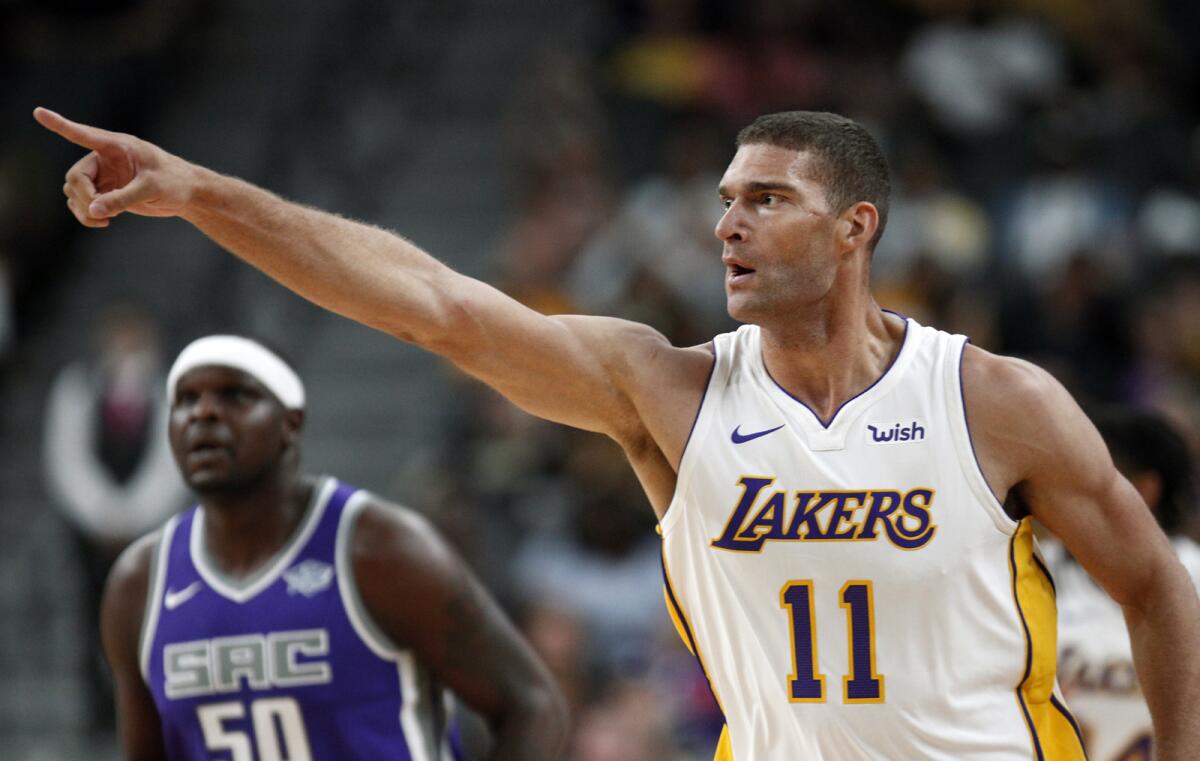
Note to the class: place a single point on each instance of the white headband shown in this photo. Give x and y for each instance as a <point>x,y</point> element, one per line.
<point>241,354</point>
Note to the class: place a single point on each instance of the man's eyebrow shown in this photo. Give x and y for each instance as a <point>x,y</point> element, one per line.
<point>759,187</point>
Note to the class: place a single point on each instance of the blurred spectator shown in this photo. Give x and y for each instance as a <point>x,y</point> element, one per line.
<point>1168,222</point>
<point>1080,329</point>
<point>770,60</point>
<point>605,567</point>
<point>1063,209</point>
<point>663,231</point>
<point>930,217</point>
<point>555,134</point>
<point>628,724</point>
<point>963,303</point>
<point>560,638</point>
<point>1096,663</point>
<point>108,464</point>
<point>1165,321</point>
<point>978,74</point>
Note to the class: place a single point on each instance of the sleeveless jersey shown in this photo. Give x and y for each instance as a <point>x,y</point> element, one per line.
<point>854,590</point>
<point>1096,662</point>
<point>286,664</point>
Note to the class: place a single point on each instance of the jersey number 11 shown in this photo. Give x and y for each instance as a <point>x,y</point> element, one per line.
<point>805,684</point>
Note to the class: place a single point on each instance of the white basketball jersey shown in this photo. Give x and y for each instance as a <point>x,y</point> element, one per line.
<point>1096,663</point>
<point>855,591</point>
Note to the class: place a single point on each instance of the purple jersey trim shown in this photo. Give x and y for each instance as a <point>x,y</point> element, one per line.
<point>699,409</point>
<point>679,615</point>
<point>962,393</point>
<point>842,406</point>
<point>1070,718</point>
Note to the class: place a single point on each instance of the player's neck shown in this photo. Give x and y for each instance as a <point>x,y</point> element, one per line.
<point>833,353</point>
<point>246,528</point>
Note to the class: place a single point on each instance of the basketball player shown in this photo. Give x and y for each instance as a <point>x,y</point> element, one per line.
<point>1095,661</point>
<point>851,562</point>
<point>294,617</point>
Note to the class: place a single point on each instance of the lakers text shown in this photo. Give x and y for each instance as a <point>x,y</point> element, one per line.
<point>764,515</point>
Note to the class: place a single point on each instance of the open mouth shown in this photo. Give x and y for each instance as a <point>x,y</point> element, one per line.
<point>737,271</point>
<point>206,448</point>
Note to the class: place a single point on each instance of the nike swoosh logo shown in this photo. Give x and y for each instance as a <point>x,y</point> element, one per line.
<point>173,600</point>
<point>742,438</point>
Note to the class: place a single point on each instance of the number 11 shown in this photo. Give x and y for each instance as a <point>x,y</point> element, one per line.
<point>805,685</point>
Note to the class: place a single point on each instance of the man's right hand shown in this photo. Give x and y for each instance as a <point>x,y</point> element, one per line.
<point>121,174</point>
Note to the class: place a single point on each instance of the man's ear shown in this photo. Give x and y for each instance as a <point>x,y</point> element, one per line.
<point>859,223</point>
<point>293,426</point>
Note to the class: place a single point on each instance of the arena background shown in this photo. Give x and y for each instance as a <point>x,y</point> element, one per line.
<point>1046,164</point>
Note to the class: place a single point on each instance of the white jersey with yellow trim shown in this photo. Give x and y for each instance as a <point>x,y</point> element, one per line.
<point>854,591</point>
<point>1096,662</point>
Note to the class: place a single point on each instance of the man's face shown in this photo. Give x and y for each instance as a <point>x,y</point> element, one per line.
<point>778,231</point>
<point>226,429</point>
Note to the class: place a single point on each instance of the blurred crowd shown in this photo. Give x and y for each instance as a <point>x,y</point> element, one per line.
<point>1046,202</point>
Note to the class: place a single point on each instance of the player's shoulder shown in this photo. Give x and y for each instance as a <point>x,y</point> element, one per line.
<point>1025,423</point>
<point>1013,379</point>
<point>128,587</point>
<point>399,561</point>
<point>131,571</point>
<point>1014,393</point>
<point>393,535</point>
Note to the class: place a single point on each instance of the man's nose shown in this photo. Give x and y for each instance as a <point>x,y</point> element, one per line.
<point>731,226</point>
<point>207,405</point>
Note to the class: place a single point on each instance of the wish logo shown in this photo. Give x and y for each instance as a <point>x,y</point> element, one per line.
<point>896,433</point>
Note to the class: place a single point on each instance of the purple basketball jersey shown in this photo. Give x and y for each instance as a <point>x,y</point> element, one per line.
<point>285,665</point>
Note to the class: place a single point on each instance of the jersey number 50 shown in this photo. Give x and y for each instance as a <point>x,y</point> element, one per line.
<point>805,684</point>
<point>278,729</point>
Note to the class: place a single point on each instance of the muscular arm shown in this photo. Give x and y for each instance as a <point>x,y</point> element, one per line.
<point>611,376</point>
<point>423,596</point>
<point>1033,439</point>
<point>121,613</point>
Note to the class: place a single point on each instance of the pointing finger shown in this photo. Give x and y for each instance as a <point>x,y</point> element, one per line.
<point>80,134</point>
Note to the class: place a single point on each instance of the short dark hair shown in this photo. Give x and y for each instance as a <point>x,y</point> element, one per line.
<point>1143,441</point>
<point>849,162</point>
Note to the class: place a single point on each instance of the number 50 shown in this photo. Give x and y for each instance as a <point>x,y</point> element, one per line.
<point>266,714</point>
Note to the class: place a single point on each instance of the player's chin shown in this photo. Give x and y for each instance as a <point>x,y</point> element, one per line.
<point>740,307</point>
<point>209,480</point>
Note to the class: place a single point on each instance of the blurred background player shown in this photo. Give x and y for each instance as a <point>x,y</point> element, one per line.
<point>108,463</point>
<point>1095,660</point>
<point>293,616</point>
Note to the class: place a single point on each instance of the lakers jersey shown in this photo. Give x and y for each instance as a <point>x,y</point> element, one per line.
<point>286,664</point>
<point>1096,662</point>
<point>854,590</point>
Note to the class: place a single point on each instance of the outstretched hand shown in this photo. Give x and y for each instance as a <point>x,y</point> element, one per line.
<point>121,174</point>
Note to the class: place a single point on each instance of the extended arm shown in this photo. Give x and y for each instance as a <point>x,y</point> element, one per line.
<point>1033,438</point>
<point>121,613</point>
<point>600,374</point>
<point>403,566</point>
